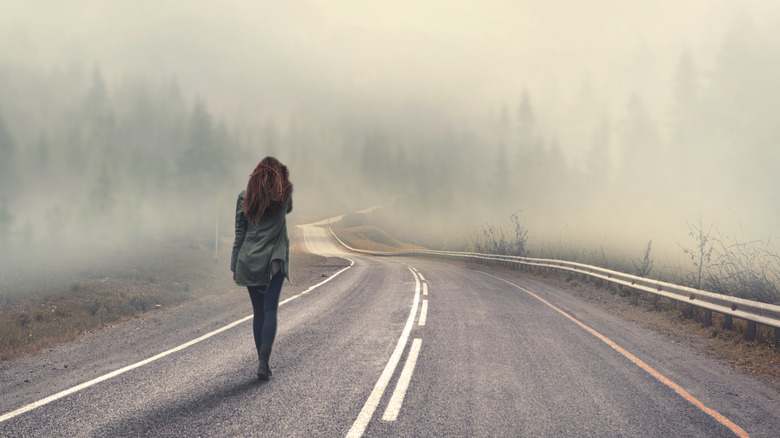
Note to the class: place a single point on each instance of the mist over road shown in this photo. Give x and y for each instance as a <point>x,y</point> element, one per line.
<point>487,359</point>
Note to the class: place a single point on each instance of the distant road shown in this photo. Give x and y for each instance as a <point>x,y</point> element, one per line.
<point>407,347</point>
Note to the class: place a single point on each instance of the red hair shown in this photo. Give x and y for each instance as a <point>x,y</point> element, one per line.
<point>269,189</point>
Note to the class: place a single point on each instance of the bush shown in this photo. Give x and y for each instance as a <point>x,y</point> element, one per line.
<point>749,270</point>
<point>506,240</point>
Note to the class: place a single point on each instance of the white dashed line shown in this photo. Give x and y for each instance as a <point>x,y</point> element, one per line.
<point>394,407</point>
<point>423,313</point>
<point>364,417</point>
<point>425,288</point>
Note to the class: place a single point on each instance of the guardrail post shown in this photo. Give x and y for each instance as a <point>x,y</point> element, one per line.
<point>777,337</point>
<point>751,331</point>
<point>707,318</point>
<point>726,321</point>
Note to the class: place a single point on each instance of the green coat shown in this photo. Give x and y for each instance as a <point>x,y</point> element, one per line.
<point>256,246</point>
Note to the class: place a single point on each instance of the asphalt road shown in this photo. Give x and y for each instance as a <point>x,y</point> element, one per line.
<point>390,347</point>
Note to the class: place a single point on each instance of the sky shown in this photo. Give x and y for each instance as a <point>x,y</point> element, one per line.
<point>255,57</point>
<point>398,62</point>
<point>457,51</point>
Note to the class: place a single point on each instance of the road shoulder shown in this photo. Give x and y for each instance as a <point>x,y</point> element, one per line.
<point>29,378</point>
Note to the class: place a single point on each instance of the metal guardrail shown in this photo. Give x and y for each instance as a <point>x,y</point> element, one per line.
<point>731,307</point>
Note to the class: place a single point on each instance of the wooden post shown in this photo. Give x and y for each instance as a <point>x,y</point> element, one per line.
<point>751,331</point>
<point>216,234</point>
<point>707,318</point>
<point>726,321</point>
<point>777,337</point>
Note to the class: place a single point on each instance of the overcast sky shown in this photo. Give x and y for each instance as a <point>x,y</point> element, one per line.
<point>462,60</point>
<point>455,51</point>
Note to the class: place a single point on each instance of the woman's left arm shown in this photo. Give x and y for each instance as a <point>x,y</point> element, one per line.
<point>241,226</point>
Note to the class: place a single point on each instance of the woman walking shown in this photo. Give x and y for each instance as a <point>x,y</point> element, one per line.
<point>261,250</point>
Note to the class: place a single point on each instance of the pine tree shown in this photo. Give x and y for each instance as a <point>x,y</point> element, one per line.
<point>101,197</point>
<point>7,155</point>
<point>6,220</point>
<point>685,107</point>
<point>203,164</point>
<point>599,161</point>
<point>99,119</point>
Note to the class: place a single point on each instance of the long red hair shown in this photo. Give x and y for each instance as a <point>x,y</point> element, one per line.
<point>268,190</point>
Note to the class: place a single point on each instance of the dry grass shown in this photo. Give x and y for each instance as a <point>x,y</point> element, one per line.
<point>371,238</point>
<point>82,294</point>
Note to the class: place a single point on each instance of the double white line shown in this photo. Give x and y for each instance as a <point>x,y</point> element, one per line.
<point>397,399</point>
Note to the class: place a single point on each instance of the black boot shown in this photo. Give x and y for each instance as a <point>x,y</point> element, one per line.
<point>263,369</point>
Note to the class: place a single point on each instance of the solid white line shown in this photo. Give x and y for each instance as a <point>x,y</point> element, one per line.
<point>303,229</point>
<point>394,407</point>
<point>423,313</point>
<point>425,288</point>
<point>112,374</point>
<point>360,424</point>
<point>351,263</point>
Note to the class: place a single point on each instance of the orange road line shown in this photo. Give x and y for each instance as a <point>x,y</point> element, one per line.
<point>663,379</point>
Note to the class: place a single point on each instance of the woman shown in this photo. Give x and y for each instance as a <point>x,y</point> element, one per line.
<point>261,250</point>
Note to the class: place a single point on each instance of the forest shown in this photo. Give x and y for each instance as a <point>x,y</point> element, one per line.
<point>91,159</point>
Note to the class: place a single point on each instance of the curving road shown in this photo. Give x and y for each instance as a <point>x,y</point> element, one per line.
<point>395,347</point>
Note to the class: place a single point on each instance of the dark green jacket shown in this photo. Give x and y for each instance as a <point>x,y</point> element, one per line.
<point>256,246</point>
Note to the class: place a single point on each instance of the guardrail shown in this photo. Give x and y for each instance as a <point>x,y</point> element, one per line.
<point>730,307</point>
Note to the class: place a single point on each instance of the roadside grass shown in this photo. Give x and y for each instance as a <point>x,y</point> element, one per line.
<point>41,309</point>
<point>371,238</point>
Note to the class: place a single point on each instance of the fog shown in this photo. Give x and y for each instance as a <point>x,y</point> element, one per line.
<point>606,123</point>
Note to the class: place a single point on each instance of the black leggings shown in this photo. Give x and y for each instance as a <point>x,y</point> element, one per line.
<point>265,305</point>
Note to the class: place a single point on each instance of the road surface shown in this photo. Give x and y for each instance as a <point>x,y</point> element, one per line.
<point>387,347</point>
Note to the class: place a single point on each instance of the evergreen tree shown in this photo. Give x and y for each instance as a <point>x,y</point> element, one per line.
<point>101,197</point>
<point>528,139</point>
<point>6,220</point>
<point>203,165</point>
<point>599,161</point>
<point>639,150</point>
<point>686,98</point>
<point>525,114</point>
<point>7,155</point>
<point>97,106</point>
<point>501,178</point>
<point>639,136</point>
<point>100,119</point>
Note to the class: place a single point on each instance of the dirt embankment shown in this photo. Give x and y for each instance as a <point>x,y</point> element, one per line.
<point>371,238</point>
